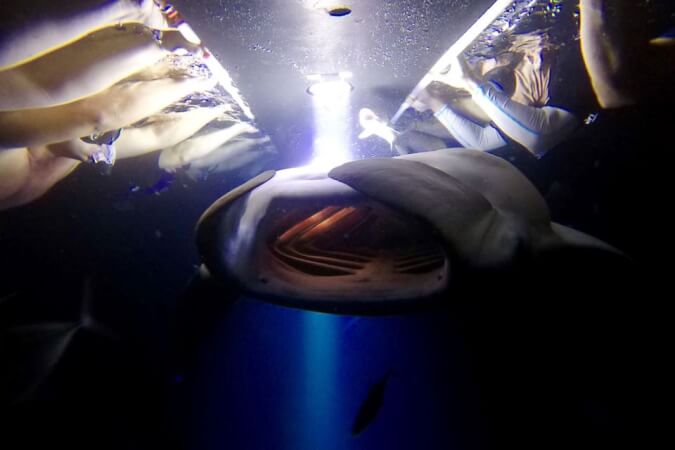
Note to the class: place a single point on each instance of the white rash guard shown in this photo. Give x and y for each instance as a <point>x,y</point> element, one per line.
<point>538,129</point>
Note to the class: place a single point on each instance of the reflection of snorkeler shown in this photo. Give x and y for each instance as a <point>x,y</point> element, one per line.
<point>85,66</point>
<point>122,104</point>
<point>70,20</point>
<point>34,170</point>
<point>44,146</point>
<point>504,96</point>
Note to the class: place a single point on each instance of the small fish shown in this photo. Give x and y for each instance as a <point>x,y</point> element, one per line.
<point>371,405</point>
<point>373,125</point>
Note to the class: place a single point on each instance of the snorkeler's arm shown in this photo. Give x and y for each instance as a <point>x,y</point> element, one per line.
<point>468,133</point>
<point>538,129</point>
<point>602,59</point>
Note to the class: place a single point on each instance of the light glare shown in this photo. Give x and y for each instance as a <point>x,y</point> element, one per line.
<point>330,95</point>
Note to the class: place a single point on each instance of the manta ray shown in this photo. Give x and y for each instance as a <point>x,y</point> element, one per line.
<point>380,231</point>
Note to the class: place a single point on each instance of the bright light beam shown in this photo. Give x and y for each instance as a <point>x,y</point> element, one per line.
<point>331,121</point>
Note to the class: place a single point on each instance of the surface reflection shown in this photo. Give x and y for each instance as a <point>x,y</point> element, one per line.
<point>129,85</point>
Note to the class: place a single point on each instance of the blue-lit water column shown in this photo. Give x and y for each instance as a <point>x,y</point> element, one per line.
<point>321,385</point>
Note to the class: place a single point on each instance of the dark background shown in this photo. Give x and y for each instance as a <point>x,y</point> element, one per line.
<point>162,369</point>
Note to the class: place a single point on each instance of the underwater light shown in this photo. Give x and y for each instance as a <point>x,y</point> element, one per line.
<point>330,88</point>
<point>330,85</point>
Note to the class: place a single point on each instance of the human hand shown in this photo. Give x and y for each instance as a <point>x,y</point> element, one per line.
<point>426,100</point>
<point>453,77</point>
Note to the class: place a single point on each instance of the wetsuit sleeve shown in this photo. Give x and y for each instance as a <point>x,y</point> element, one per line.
<point>468,133</point>
<point>536,128</point>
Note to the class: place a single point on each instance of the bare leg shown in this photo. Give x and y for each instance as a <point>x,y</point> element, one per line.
<point>84,67</point>
<point>14,170</point>
<point>31,174</point>
<point>623,66</point>
<point>195,148</point>
<point>41,34</point>
<point>117,107</point>
<point>602,58</point>
<point>164,131</point>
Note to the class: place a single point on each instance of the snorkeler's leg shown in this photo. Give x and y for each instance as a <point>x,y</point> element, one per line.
<point>14,171</point>
<point>603,59</point>
<point>41,32</point>
<point>627,64</point>
<point>165,131</point>
<point>191,149</point>
<point>37,171</point>
<point>116,107</point>
<point>84,67</point>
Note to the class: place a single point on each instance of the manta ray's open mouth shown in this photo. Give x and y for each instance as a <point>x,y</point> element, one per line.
<point>354,241</point>
<point>364,250</point>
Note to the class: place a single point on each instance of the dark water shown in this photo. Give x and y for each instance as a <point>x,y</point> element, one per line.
<point>177,366</point>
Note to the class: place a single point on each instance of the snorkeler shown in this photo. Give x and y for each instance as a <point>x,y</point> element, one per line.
<point>508,98</point>
<point>629,67</point>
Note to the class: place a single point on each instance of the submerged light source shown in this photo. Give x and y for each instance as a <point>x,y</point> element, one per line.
<point>330,86</point>
<point>330,94</point>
